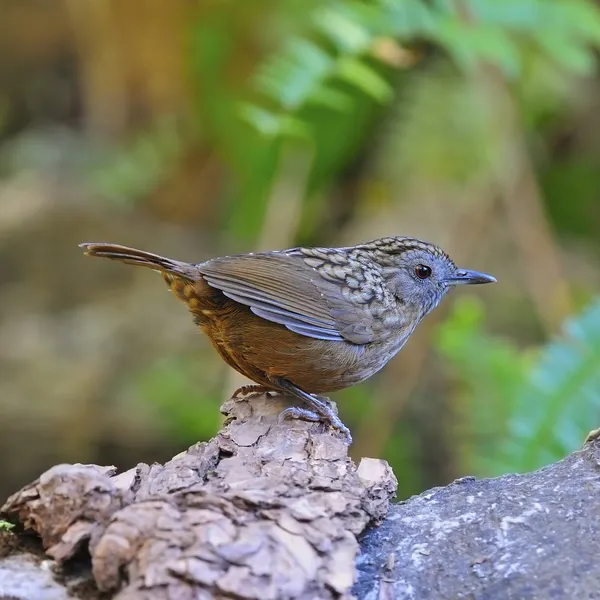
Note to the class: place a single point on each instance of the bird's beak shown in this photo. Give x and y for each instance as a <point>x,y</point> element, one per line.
<point>466,277</point>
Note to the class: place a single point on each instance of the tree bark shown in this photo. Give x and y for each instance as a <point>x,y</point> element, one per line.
<point>270,510</point>
<point>265,510</point>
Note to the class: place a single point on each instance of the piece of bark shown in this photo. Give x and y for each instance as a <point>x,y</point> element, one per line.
<point>265,510</point>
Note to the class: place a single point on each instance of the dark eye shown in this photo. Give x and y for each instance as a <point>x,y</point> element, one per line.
<point>422,271</point>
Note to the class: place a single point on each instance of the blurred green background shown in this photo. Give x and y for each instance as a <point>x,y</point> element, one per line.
<point>197,128</point>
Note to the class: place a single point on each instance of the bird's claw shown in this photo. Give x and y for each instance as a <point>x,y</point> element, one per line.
<point>316,407</point>
<point>337,424</point>
<point>295,412</point>
<point>328,417</point>
<point>252,391</point>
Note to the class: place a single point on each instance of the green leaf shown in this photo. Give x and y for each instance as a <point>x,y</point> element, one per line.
<point>6,526</point>
<point>567,53</point>
<point>523,412</point>
<point>331,98</point>
<point>347,34</point>
<point>580,19</point>
<point>516,15</point>
<point>364,78</point>
<point>471,45</point>
<point>472,33</point>
<point>408,18</point>
<point>272,124</point>
<point>561,401</point>
<point>291,77</point>
<point>264,121</point>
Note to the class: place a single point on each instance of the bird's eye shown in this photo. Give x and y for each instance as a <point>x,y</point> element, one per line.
<point>422,271</point>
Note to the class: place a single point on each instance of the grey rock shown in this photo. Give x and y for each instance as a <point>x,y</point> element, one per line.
<point>522,537</point>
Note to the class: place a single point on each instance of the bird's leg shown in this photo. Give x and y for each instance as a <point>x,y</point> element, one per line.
<point>316,409</point>
<point>252,391</point>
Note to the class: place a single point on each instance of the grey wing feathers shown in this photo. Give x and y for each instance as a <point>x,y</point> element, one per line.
<point>354,321</point>
<point>276,287</point>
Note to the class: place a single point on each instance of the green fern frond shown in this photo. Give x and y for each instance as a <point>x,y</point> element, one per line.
<point>523,412</point>
<point>561,402</point>
<point>471,32</point>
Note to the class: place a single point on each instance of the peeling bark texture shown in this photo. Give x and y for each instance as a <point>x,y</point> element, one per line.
<point>273,511</point>
<point>265,510</point>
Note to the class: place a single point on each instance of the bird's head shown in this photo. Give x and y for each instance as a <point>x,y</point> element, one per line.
<point>421,274</point>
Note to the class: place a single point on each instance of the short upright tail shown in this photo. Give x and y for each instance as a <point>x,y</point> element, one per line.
<point>131,256</point>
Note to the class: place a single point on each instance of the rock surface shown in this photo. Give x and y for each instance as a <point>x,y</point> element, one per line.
<point>523,537</point>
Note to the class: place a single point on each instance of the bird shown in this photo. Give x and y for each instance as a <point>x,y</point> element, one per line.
<point>308,321</point>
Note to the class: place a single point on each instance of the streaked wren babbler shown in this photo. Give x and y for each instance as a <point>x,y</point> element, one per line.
<point>308,321</point>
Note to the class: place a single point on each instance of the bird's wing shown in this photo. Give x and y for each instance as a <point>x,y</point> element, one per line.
<point>284,289</point>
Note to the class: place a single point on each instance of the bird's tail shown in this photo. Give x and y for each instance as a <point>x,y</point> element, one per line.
<point>131,256</point>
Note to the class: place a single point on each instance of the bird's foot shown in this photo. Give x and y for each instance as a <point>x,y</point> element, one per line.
<point>295,412</point>
<point>252,391</point>
<point>326,415</point>
<point>329,417</point>
<point>317,409</point>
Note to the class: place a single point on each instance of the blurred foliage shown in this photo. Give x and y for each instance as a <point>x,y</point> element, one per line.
<point>343,52</point>
<point>270,124</point>
<point>326,85</point>
<point>182,398</point>
<point>135,169</point>
<point>521,410</point>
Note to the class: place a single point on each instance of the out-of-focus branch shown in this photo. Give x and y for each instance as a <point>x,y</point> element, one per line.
<point>541,270</point>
